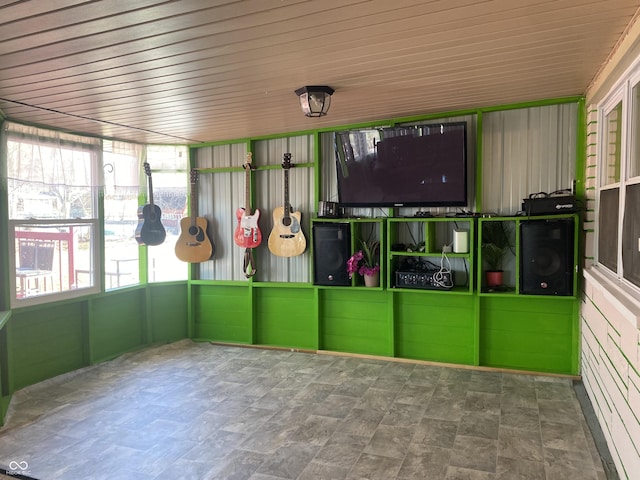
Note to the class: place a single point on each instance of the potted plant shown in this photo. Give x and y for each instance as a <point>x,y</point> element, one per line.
<point>496,242</point>
<point>366,263</point>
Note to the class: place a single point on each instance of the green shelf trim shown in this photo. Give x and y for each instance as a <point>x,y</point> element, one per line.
<point>429,254</point>
<point>349,287</point>
<point>232,283</point>
<point>428,291</point>
<point>430,219</point>
<point>523,296</point>
<point>283,285</point>
<point>349,219</point>
<point>257,168</point>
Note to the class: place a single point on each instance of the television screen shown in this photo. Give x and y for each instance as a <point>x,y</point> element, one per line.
<point>423,165</point>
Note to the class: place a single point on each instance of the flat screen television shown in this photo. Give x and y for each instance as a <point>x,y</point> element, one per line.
<point>417,166</point>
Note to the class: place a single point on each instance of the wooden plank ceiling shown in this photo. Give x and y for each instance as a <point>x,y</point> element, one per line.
<point>187,71</point>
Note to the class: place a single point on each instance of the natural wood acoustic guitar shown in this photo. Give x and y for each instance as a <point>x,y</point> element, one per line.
<point>194,245</point>
<point>286,238</point>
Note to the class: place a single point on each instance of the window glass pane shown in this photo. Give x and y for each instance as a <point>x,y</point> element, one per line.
<point>634,161</point>
<point>53,258</point>
<point>631,235</point>
<point>612,139</point>
<point>170,190</point>
<point>608,228</point>
<point>121,162</point>
<point>49,179</point>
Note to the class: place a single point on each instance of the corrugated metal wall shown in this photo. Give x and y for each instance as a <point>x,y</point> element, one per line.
<point>219,195</point>
<point>527,151</point>
<point>222,193</point>
<point>524,151</point>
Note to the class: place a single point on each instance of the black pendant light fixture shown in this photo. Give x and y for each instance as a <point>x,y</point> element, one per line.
<point>315,100</point>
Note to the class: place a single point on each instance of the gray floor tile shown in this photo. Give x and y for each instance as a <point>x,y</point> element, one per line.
<point>474,453</point>
<point>520,444</point>
<point>375,467</point>
<point>479,424</point>
<point>342,450</point>
<point>390,441</point>
<point>203,412</point>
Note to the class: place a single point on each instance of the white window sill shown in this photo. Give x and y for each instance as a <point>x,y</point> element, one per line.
<point>622,296</point>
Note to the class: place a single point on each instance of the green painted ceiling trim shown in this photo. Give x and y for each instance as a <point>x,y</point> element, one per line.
<point>393,121</point>
<point>219,142</point>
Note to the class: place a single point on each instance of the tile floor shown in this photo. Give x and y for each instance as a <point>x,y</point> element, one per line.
<point>201,411</point>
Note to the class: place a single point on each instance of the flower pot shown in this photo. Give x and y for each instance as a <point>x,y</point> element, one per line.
<point>494,278</point>
<point>372,280</point>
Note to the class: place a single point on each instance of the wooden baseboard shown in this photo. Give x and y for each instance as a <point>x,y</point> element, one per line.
<point>402,360</point>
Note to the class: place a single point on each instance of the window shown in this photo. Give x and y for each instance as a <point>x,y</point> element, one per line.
<point>619,181</point>
<point>608,213</point>
<point>169,165</point>
<point>121,163</point>
<point>52,182</point>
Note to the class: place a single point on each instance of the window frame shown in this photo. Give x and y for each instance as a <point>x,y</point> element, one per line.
<point>621,93</point>
<point>93,222</point>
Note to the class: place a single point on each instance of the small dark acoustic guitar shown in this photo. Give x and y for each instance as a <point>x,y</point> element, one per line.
<point>150,230</point>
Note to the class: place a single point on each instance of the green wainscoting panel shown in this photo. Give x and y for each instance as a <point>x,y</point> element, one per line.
<point>286,317</point>
<point>117,324</point>
<point>355,321</point>
<point>528,332</point>
<point>436,327</point>
<point>45,342</point>
<point>222,313</point>
<point>168,312</point>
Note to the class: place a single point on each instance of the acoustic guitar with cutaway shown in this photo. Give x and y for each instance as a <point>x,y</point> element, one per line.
<point>194,245</point>
<point>286,238</point>
<point>150,230</point>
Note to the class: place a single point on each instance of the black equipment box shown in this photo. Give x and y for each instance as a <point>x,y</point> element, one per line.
<point>426,279</point>
<point>549,205</point>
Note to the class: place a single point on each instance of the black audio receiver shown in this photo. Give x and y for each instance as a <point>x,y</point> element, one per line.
<point>426,279</point>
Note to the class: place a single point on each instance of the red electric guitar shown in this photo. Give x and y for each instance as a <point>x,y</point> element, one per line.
<point>247,234</point>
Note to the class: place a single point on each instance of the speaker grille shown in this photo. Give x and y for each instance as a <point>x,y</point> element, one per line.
<point>331,244</point>
<point>546,257</point>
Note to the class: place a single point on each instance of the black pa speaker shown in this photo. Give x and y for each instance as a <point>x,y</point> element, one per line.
<point>546,257</point>
<point>331,245</point>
